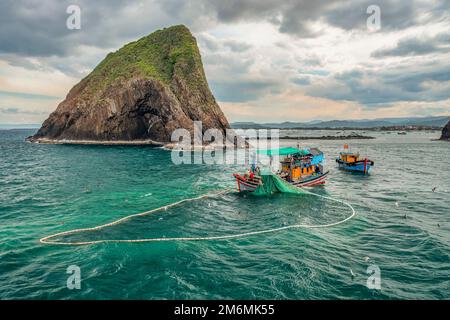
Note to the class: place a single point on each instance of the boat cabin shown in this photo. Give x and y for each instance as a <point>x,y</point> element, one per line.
<point>349,157</point>
<point>301,164</point>
<point>350,161</point>
<point>299,168</point>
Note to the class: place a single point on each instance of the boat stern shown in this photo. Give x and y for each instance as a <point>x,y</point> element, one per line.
<point>244,184</point>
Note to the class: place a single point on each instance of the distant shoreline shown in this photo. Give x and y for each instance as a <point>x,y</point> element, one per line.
<point>390,128</point>
<point>97,142</point>
<point>394,128</point>
<point>348,137</point>
<point>13,128</point>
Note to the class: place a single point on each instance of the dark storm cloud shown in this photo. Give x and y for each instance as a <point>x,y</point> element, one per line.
<point>295,17</point>
<point>395,14</point>
<point>234,10</point>
<point>292,17</point>
<point>408,47</point>
<point>415,47</point>
<point>38,28</point>
<point>379,89</point>
<point>31,28</point>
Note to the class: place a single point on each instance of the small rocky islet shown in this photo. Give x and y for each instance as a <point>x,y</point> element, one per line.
<point>446,132</point>
<point>138,94</point>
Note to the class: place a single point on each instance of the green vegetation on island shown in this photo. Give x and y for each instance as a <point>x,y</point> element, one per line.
<point>159,55</point>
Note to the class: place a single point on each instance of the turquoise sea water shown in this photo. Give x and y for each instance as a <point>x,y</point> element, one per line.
<point>402,226</point>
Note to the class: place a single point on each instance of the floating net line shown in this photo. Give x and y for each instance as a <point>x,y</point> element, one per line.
<point>274,185</point>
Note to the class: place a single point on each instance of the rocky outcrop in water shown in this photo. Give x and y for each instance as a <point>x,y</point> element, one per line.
<point>446,132</point>
<point>141,92</point>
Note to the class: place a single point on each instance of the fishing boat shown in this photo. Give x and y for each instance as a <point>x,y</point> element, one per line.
<point>351,161</point>
<point>299,168</point>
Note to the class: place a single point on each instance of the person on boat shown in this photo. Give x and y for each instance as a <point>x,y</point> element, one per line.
<point>258,171</point>
<point>253,168</point>
<point>319,169</point>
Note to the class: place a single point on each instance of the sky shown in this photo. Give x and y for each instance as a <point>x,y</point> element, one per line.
<point>265,61</point>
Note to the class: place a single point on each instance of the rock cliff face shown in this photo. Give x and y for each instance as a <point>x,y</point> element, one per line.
<point>143,91</point>
<point>446,132</point>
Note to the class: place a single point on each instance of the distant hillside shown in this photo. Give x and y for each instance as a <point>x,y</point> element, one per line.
<point>374,123</point>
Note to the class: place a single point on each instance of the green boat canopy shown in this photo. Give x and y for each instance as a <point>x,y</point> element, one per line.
<point>283,152</point>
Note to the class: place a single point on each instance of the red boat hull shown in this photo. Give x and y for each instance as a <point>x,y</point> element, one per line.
<point>244,184</point>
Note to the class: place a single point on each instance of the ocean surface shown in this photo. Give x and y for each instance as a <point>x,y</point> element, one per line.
<point>402,226</point>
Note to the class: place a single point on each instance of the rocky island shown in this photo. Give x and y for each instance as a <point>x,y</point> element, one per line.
<point>138,95</point>
<point>446,132</point>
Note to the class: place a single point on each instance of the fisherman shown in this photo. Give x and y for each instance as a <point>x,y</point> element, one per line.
<point>320,169</point>
<point>249,175</point>
<point>253,156</point>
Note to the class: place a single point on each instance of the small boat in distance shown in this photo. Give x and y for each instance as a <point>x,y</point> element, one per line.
<point>350,161</point>
<point>299,168</point>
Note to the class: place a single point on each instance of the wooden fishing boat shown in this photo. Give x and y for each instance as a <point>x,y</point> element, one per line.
<point>350,161</point>
<point>245,183</point>
<point>299,168</point>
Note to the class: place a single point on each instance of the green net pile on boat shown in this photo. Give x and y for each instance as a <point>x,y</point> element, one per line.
<point>273,183</point>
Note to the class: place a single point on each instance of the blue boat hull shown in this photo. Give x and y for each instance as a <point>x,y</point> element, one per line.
<point>360,166</point>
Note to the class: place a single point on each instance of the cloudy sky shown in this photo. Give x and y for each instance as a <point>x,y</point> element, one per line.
<point>265,60</point>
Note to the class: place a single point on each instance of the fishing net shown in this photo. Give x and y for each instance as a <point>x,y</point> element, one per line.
<point>272,183</point>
